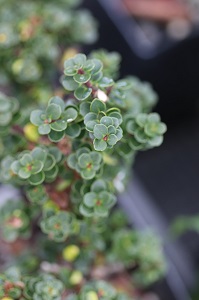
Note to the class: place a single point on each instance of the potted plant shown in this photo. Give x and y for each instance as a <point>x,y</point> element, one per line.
<point>69,162</point>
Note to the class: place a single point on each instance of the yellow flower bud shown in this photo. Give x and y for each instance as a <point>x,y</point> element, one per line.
<point>7,298</point>
<point>3,38</point>
<point>17,66</point>
<point>91,296</point>
<point>51,205</point>
<point>76,278</point>
<point>68,54</point>
<point>31,133</point>
<point>71,252</point>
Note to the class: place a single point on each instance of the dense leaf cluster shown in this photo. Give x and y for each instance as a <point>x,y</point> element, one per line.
<point>33,39</point>
<point>71,161</point>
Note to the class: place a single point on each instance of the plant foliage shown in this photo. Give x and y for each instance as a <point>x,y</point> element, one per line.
<point>71,158</point>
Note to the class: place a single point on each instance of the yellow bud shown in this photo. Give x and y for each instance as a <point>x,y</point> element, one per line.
<point>91,296</point>
<point>17,66</point>
<point>31,132</point>
<point>71,252</point>
<point>109,160</point>
<point>7,298</point>
<point>51,205</point>
<point>68,54</point>
<point>76,278</point>
<point>3,37</point>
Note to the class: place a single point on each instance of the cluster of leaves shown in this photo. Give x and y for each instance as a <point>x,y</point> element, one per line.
<point>185,223</point>
<point>15,218</point>
<point>9,115</point>
<point>98,290</point>
<point>110,60</point>
<point>76,156</point>
<point>146,130</point>
<point>32,38</point>
<point>55,119</point>
<point>15,286</point>
<point>142,250</point>
<point>96,133</point>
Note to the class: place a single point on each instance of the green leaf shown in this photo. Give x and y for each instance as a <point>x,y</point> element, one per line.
<point>99,145</point>
<point>24,173</point>
<point>116,115</point>
<point>98,186</point>
<point>90,117</point>
<point>82,92</point>
<point>162,128</point>
<point>56,153</point>
<point>124,85</point>
<point>134,144</point>
<point>141,119</point>
<point>96,157</point>
<point>58,125</point>
<point>15,166</point>
<point>35,117</point>
<point>56,136</point>
<point>37,167</point>
<point>112,139</point>
<point>111,129</point>
<point>98,66</point>
<point>151,129</point>
<point>106,82</point>
<point>44,129</point>
<point>53,111</point>
<point>125,150</point>
<point>5,118</point>
<point>88,173</point>
<point>82,78</point>
<point>69,83</point>
<point>57,100</point>
<point>89,65</point>
<point>39,154</point>
<point>26,159</point>
<point>96,77</point>
<point>119,133</point>
<point>73,130</point>
<point>52,173</point>
<point>70,71</point>
<point>70,114</point>
<point>89,199</point>
<point>84,108</point>
<point>131,126</point>
<point>140,135</point>
<point>106,121</point>
<point>84,160</point>
<point>154,118</point>
<point>97,106</point>
<point>5,105</point>
<point>69,63</point>
<point>72,161</point>
<point>49,163</point>
<point>90,125</point>
<point>85,211</point>
<point>37,178</point>
<point>100,211</point>
<point>79,60</point>
<point>100,131</point>
<point>156,141</point>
